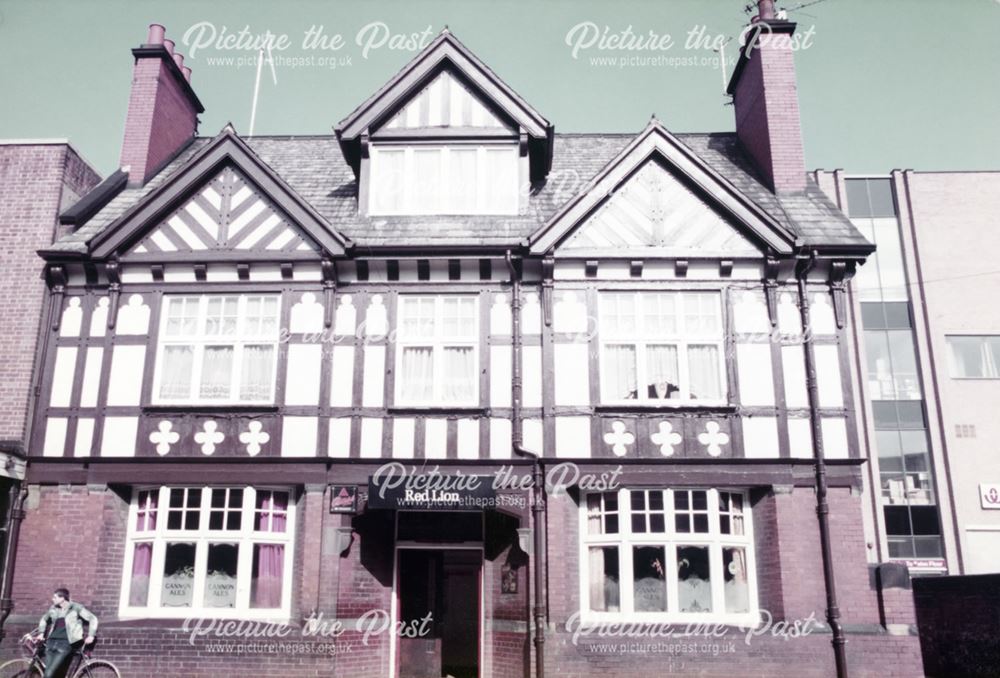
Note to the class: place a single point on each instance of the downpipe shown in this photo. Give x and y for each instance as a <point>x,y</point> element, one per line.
<point>537,474</point>
<point>803,268</point>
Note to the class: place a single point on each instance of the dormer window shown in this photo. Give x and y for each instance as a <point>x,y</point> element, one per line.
<point>447,179</point>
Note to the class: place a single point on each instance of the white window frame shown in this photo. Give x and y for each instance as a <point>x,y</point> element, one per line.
<point>625,540</point>
<point>642,339</point>
<point>438,343</point>
<point>410,184</point>
<point>200,340</point>
<point>244,538</point>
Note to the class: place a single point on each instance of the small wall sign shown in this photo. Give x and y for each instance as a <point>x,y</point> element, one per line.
<point>343,499</point>
<point>989,495</point>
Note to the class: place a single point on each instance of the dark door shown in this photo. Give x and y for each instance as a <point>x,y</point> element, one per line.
<point>443,584</point>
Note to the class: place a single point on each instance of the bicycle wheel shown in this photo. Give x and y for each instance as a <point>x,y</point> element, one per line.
<point>97,668</point>
<point>20,668</point>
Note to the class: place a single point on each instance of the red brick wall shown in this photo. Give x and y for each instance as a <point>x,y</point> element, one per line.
<point>767,114</point>
<point>161,119</point>
<point>91,526</point>
<point>33,179</point>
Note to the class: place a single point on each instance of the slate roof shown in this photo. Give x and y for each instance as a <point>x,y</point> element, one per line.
<point>314,167</point>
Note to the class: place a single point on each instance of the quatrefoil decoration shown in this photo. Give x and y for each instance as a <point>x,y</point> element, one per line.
<point>666,438</point>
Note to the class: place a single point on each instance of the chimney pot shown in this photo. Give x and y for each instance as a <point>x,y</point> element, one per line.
<point>156,33</point>
<point>169,44</point>
<point>179,60</point>
<point>187,73</point>
<point>765,10</point>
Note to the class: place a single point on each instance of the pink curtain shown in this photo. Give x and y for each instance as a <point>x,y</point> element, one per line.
<point>270,565</point>
<point>146,516</point>
<point>142,561</point>
<point>272,511</point>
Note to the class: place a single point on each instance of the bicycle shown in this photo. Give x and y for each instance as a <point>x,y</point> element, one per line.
<point>32,665</point>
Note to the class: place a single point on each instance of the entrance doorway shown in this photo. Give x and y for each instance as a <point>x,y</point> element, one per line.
<point>438,591</point>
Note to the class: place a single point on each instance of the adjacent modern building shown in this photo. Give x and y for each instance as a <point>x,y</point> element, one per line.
<point>929,336</point>
<point>302,379</point>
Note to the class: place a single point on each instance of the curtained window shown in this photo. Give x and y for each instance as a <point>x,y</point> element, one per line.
<point>453,179</point>
<point>680,555</point>
<point>662,346</point>
<point>219,551</point>
<point>217,349</point>
<point>438,350</point>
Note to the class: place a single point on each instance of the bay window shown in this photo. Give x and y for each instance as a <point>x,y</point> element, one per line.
<point>210,551</point>
<point>217,349</point>
<point>667,555</point>
<point>661,346</point>
<point>437,179</point>
<point>437,344</point>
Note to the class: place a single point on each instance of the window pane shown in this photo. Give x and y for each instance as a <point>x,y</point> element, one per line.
<point>661,371</point>
<point>142,561</point>
<point>416,317</point>
<point>387,181</point>
<point>694,586</point>
<point>222,314</point>
<point>175,370</point>
<point>462,180</point>
<point>459,373</point>
<point>659,315</point>
<point>702,314</point>
<point>618,315</point>
<point>619,373</point>
<point>603,570</point>
<point>417,374</point>
<point>178,575</point>
<point>268,575</point>
<point>458,317</point>
<point>734,569</point>
<point>703,371</point>
<point>426,181</point>
<point>182,316</point>
<point>220,582</point>
<point>258,373</point>
<point>649,579</point>
<point>501,181</point>
<point>972,357</point>
<point>216,372</point>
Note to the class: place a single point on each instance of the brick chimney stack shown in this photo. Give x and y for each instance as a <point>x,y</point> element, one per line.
<point>765,98</point>
<point>162,109</point>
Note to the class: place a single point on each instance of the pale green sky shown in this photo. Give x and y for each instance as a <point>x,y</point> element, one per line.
<point>884,83</point>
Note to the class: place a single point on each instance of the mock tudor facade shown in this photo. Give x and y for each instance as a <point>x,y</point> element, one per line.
<point>246,330</point>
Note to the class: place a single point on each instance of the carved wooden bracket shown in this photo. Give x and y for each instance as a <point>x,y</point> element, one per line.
<point>329,287</point>
<point>548,273</point>
<point>770,289</point>
<point>838,271</point>
<point>57,284</point>
<point>114,291</point>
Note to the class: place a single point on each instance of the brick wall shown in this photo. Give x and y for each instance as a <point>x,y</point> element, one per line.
<point>33,182</point>
<point>91,526</point>
<point>767,114</point>
<point>161,119</point>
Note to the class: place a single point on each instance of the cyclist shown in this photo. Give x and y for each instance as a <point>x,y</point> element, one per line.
<point>66,634</point>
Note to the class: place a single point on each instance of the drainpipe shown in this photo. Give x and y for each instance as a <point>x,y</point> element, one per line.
<point>17,495</point>
<point>822,507</point>
<point>537,476</point>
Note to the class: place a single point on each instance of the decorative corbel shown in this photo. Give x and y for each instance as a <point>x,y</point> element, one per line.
<point>770,289</point>
<point>344,538</point>
<point>548,274</point>
<point>635,268</point>
<point>287,270</point>
<point>114,291</point>
<point>524,540</point>
<point>681,268</point>
<point>838,271</point>
<point>57,284</point>
<point>329,287</point>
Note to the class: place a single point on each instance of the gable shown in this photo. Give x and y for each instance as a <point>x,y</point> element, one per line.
<point>228,213</point>
<point>658,193</point>
<point>653,208</point>
<point>445,102</point>
<point>224,201</point>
